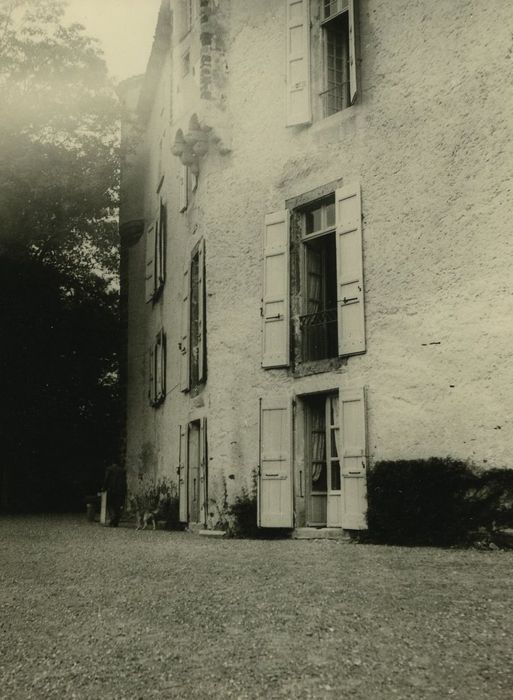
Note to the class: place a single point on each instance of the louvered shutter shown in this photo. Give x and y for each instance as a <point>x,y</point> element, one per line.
<point>151,375</point>
<point>185,334</point>
<point>184,187</point>
<point>353,460</point>
<point>162,244</point>
<point>275,506</point>
<point>203,476</point>
<point>160,364</point>
<point>350,290</point>
<point>299,110</point>
<point>353,48</point>
<point>275,302</point>
<point>150,262</point>
<point>201,313</point>
<point>183,505</point>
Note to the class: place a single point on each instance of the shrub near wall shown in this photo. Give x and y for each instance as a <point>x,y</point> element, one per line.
<point>436,502</point>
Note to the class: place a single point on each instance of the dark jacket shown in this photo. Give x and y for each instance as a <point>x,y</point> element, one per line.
<point>115,482</point>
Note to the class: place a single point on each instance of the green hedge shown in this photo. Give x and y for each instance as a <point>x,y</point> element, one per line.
<point>436,501</point>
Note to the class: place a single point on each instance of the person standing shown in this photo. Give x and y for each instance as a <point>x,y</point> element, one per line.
<point>115,486</point>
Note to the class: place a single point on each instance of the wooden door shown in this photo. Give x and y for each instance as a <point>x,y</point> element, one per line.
<point>194,472</point>
<point>182,474</point>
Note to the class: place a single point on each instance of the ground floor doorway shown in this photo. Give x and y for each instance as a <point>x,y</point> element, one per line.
<point>192,470</point>
<point>322,464</point>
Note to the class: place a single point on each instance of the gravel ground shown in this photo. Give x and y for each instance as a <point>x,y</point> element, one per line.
<point>92,612</point>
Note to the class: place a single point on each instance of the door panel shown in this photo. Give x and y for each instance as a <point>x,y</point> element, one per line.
<point>275,507</point>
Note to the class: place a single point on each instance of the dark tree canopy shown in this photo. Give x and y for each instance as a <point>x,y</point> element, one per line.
<point>59,171</point>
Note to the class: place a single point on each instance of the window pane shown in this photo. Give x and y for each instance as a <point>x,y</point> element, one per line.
<point>335,476</point>
<point>319,321</point>
<point>330,213</point>
<point>319,476</point>
<point>313,219</point>
<point>334,442</point>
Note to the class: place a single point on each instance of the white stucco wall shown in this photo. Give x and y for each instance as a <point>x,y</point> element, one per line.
<point>431,140</point>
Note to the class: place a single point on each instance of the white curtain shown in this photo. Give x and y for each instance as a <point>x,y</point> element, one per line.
<point>318,444</point>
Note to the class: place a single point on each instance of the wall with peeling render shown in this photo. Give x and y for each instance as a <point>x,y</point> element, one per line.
<point>431,140</point>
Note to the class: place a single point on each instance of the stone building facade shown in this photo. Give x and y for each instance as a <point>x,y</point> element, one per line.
<point>317,248</point>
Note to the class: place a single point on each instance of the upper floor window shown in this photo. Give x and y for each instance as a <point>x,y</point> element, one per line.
<point>156,241</point>
<point>157,370</point>
<point>313,281</point>
<point>318,282</point>
<point>335,43</point>
<point>193,341</point>
<point>322,44</point>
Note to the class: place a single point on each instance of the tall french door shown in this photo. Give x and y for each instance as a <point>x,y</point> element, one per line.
<point>324,487</point>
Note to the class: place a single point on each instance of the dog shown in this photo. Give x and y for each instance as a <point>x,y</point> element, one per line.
<point>145,519</point>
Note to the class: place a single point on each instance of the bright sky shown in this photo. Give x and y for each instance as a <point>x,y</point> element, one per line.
<point>124,27</point>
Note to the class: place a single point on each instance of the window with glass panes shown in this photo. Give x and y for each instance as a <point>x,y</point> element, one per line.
<point>324,479</point>
<point>318,320</point>
<point>335,35</point>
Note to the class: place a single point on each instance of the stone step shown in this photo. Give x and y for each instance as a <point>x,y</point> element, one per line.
<point>212,533</point>
<point>320,533</point>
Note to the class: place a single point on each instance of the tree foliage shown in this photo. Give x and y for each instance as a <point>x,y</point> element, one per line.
<point>59,171</point>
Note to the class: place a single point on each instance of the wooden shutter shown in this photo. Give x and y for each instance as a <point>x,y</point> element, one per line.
<point>202,327</point>
<point>162,244</point>
<point>183,460</point>
<point>151,240</point>
<point>160,367</point>
<point>299,110</point>
<point>275,505</point>
<point>203,476</point>
<point>184,187</point>
<point>353,50</point>
<point>353,458</point>
<point>151,375</point>
<point>275,302</point>
<point>350,291</point>
<point>184,341</point>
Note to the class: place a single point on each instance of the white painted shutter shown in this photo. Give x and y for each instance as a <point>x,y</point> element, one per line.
<point>203,476</point>
<point>162,243</point>
<point>160,364</point>
<point>150,263</point>
<point>201,313</point>
<point>184,189</point>
<point>353,57</point>
<point>183,505</point>
<point>275,302</point>
<point>299,110</point>
<point>185,334</point>
<point>275,505</point>
<point>151,375</point>
<point>353,458</point>
<point>350,291</point>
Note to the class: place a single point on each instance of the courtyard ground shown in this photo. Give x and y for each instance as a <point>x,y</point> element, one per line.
<point>92,612</point>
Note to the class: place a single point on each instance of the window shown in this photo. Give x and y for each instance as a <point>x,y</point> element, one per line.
<point>196,321</point>
<point>157,370</point>
<point>335,40</point>
<point>313,292</point>
<point>192,345</point>
<point>156,241</point>
<point>318,320</point>
<point>322,45</point>
<point>184,188</point>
